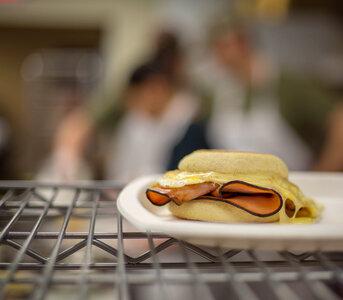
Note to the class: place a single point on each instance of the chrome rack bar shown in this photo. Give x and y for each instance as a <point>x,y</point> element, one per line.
<point>29,252</point>
<point>121,284</point>
<point>161,286</point>
<point>280,289</point>
<point>337,272</point>
<point>240,288</point>
<point>44,281</point>
<point>24,247</point>
<point>7,196</point>
<point>88,254</point>
<point>200,289</point>
<point>17,214</point>
<point>318,289</point>
<point>84,235</point>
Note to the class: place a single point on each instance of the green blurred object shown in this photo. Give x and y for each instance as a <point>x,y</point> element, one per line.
<point>306,104</point>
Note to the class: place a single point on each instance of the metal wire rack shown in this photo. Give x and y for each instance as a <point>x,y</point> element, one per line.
<point>68,240</point>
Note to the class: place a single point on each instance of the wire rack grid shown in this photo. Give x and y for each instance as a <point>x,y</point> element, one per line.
<point>69,240</point>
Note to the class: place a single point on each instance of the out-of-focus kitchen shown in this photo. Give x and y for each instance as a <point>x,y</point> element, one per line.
<point>58,57</point>
<point>94,94</point>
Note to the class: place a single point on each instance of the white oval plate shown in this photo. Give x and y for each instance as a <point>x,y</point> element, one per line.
<point>326,234</point>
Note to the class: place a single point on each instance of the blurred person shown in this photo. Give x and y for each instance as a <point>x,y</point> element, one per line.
<point>155,126</point>
<point>150,129</point>
<point>71,141</point>
<point>67,161</point>
<point>165,52</point>
<point>242,85</point>
<point>169,56</point>
<point>157,116</point>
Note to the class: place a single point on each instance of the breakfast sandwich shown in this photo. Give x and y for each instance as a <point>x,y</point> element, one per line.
<point>225,186</point>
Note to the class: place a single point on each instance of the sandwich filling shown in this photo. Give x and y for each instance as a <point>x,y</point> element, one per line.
<point>253,199</point>
<point>257,195</point>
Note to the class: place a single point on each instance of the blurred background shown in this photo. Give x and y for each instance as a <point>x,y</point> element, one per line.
<point>116,89</point>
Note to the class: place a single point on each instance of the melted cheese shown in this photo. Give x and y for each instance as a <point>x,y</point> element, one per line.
<point>309,209</point>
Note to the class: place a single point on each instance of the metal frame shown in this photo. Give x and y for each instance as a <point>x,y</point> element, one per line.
<point>166,269</point>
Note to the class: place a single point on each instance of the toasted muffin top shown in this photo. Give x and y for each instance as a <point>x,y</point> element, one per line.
<point>231,162</point>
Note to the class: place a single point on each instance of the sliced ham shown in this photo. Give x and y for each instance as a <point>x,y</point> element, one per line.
<point>160,195</point>
<point>255,200</point>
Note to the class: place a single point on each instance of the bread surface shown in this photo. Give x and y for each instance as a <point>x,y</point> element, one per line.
<point>215,211</point>
<point>234,162</point>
